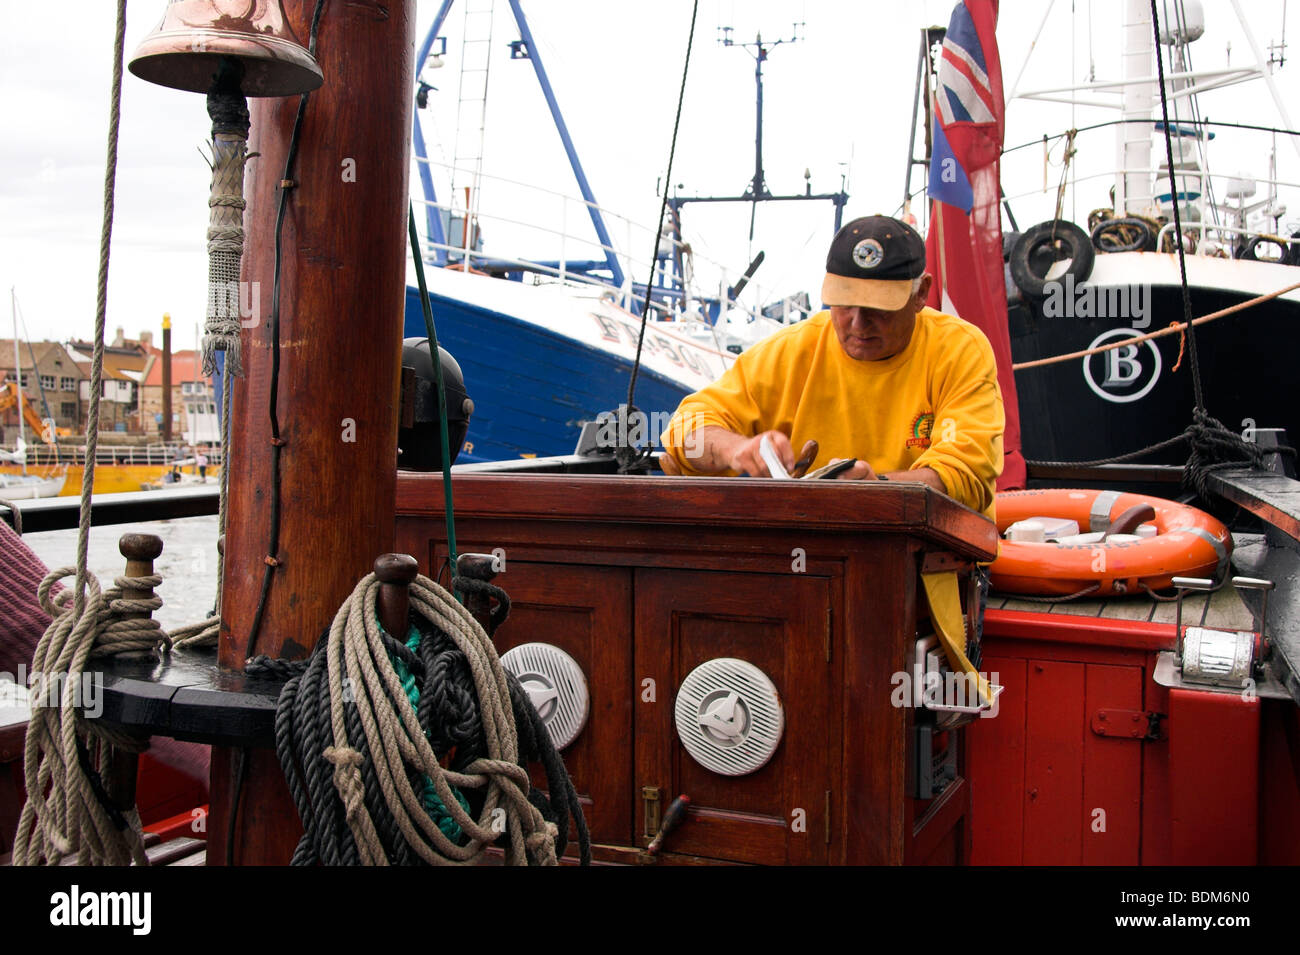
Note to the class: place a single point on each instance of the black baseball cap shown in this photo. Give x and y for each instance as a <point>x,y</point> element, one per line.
<point>872,263</point>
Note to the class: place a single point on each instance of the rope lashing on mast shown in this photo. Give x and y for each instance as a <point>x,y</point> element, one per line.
<point>360,756</point>
<point>228,109</point>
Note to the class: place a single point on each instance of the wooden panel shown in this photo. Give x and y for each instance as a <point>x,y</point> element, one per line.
<point>940,836</point>
<point>587,613</point>
<point>684,619</point>
<point>896,507</point>
<point>1155,777</point>
<point>1112,777</point>
<point>1279,842</point>
<point>1053,799</point>
<point>996,764</point>
<point>1214,778</point>
<point>879,623</point>
<point>1272,497</point>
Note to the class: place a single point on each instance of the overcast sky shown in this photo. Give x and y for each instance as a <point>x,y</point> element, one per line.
<point>838,103</point>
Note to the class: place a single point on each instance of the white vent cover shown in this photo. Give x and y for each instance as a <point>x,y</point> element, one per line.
<point>729,716</point>
<point>555,684</point>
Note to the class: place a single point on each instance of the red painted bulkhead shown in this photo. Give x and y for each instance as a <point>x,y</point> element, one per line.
<point>1058,778</point>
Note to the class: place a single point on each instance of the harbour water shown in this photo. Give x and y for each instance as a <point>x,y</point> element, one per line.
<point>188,564</point>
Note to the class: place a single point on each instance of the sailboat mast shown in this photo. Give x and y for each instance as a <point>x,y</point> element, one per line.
<point>18,370</point>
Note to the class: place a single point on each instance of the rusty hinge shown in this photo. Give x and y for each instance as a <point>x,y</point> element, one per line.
<point>1127,724</point>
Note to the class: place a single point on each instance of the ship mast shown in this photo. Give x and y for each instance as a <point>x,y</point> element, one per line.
<point>1133,194</point>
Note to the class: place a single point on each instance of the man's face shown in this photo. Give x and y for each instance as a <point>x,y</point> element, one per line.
<point>869,334</point>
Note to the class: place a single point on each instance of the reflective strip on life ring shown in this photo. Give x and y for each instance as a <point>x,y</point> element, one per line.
<point>1188,543</point>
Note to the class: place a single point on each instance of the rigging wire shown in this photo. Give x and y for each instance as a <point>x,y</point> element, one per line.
<point>630,458</point>
<point>1117,122</point>
<point>101,312</point>
<point>1197,387</point>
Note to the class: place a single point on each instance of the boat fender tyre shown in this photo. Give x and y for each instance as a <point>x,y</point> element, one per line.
<point>1250,251</point>
<point>1124,235</point>
<point>1098,216</point>
<point>1035,257</point>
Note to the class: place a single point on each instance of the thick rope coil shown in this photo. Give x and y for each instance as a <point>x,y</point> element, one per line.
<point>205,633</point>
<point>68,811</point>
<point>358,756</point>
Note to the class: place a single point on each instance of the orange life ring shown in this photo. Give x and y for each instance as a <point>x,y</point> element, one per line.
<point>1188,542</point>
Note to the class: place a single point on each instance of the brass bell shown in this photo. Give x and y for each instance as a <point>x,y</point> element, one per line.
<point>194,37</point>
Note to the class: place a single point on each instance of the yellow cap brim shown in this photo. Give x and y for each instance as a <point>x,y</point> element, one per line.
<point>886,295</point>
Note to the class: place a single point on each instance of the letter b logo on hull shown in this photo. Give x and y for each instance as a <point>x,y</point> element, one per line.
<point>1128,373</point>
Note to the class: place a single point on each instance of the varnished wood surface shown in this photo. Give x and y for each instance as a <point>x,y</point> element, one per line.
<point>712,502</point>
<point>1274,498</point>
<point>343,271</point>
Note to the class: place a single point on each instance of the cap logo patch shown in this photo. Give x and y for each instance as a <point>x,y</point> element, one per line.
<point>868,253</point>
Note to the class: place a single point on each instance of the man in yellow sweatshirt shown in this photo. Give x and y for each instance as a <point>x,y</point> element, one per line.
<point>909,392</point>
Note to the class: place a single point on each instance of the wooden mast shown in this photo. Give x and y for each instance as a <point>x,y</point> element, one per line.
<point>343,288</point>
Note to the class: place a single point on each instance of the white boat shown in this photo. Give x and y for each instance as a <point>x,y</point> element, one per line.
<point>545,323</point>
<point>25,487</point>
<point>1115,277</point>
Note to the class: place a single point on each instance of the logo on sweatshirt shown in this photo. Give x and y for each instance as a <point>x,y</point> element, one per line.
<point>922,425</point>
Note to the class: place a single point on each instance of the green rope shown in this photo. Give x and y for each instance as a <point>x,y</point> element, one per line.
<point>429,796</point>
<point>442,392</point>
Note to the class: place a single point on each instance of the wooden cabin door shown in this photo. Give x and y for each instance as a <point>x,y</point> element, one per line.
<point>778,814</point>
<point>586,611</point>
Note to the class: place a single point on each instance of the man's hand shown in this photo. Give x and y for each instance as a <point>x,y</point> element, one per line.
<point>747,460</point>
<point>861,471</point>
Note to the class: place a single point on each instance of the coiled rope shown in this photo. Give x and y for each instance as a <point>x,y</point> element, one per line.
<point>359,756</point>
<point>68,812</point>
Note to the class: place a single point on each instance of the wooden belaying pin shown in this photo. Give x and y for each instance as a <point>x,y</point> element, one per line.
<point>140,551</point>
<point>395,573</point>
